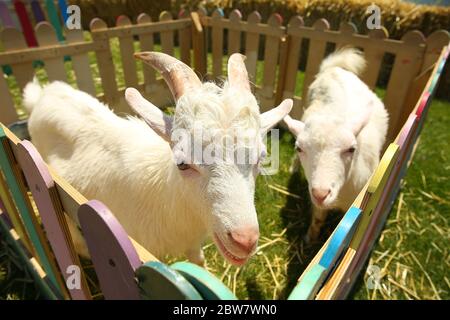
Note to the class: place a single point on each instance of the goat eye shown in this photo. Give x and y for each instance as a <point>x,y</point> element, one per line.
<point>351,150</point>
<point>183,166</point>
<point>298,149</point>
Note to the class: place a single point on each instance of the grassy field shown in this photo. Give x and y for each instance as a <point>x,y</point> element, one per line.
<point>412,252</point>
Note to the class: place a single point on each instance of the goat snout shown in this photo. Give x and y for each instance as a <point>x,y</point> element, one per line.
<point>320,194</point>
<point>245,238</point>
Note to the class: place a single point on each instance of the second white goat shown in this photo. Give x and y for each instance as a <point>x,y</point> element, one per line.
<point>341,135</point>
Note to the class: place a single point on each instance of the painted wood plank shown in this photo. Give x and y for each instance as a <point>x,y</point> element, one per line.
<point>271,55</point>
<point>234,36</point>
<point>146,41</point>
<point>13,214</point>
<point>406,66</point>
<point>80,63</point>
<point>52,216</point>
<point>217,45</point>
<point>53,66</point>
<point>5,16</point>
<point>114,257</point>
<point>104,61</point>
<point>126,54</point>
<point>210,287</point>
<point>159,282</point>
<point>12,39</point>
<point>198,43</point>
<point>314,277</point>
<point>37,11</point>
<point>34,230</point>
<point>252,46</point>
<point>53,17</point>
<point>167,37</point>
<point>62,4</point>
<point>374,57</point>
<point>316,54</point>
<point>184,39</point>
<point>25,22</point>
<point>8,113</point>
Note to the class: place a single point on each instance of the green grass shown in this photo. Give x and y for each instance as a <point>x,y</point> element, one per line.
<point>412,252</point>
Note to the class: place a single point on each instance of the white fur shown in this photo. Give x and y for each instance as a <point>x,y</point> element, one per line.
<point>126,165</point>
<point>341,112</point>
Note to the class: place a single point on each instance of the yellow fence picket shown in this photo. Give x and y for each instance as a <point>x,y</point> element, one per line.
<point>252,46</point>
<point>80,63</point>
<point>290,80</point>
<point>166,36</point>
<point>271,55</point>
<point>184,36</point>
<point>234,36</point>
<point>12,39</point>
<point>126,53</point>
<point>104,61</point>
<point>217,44</point>
<point>146,41</point>
<point>316,52</point>
<point>406,66</point>
<point>46,37</point>
<point>374,57</point>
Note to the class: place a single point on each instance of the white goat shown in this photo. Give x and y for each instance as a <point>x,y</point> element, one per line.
<point>340,137</point>
<point>165,201</point>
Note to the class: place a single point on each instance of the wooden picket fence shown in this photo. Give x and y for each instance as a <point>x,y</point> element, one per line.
<point>29,188</point>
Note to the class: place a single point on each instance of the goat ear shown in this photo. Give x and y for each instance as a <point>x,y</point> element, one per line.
<point>153,116</point>
<point>270,118</point>
<point>295,126</point>
<point>360,121</point>
<point>237,72</point>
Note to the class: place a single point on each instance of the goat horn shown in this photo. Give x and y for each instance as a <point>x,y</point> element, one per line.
<point>237,72</point>
<point>179,77</point>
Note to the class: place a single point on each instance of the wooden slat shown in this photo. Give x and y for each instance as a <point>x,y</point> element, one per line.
<point>374,57</point>
<point>316,54</point>
<point>126,54</point>
<point>105,62</point>
<point>145,28</point>
<point>54,18</point>
<point>146,41</point>
<point>30,54</point>
<point>234,36</point>
<point>252,46</point>
<point>243,26</point>
<point>80,63</point>
<point>271,55</point>
<point>434,44</point>
<point>290,81</point>
<point>199,46</point>
<point>12,39</point>
<point>168,35</point>
<point>184,38</point>
<point>217,45</point>
<point>8,113</point>
<point>25,22</point>
<point>347,30</point>
<point>54,67</point>
<point>406,67</point>
<point>52,216</point>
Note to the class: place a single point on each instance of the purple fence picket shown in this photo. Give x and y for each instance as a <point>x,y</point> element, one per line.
<point>114,257</point>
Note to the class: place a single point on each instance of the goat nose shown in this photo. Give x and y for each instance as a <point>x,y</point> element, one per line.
<point>245,238</point>
<point>320,194</point>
